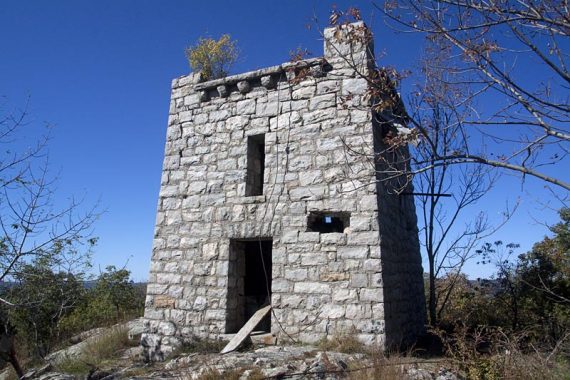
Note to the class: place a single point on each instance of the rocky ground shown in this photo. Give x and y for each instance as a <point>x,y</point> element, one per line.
<point>294,362</point>
<point>254,363</point>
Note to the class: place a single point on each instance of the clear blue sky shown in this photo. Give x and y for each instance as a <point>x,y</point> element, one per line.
<point>100,72</point>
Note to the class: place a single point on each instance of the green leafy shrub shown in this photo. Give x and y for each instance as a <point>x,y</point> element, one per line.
<point>51,305</point>
<point>472,303</point>
<point>43,297</point>
<point>114,298</point>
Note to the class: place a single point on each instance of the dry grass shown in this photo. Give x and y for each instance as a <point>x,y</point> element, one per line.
<point>346,343</point>
<point>73,366</point>
<point>109,345</point>
<point>202,346</point>
<point>137,371</point>
<point>199,346</point>
<point>10,373</point>
<point>382,368</point>
<point>233,374</point>
<point>513,365</point>
<point>489,354</point>
<point>97,351</point>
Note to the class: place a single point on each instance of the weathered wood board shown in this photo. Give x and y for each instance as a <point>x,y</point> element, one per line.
<point>244,332</point>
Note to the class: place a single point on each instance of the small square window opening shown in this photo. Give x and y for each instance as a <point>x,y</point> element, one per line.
<point>327,222</point>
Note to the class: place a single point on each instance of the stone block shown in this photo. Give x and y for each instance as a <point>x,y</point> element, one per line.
<point>345,295</point>
<point>289,237</point>
<point>243,86</point>
<point>183,116</point>
<point>200,303</point>
<point>314,258</point>
<point>168,278</point>
<point>327,86</point>
<point>354,86</point>
<point>210,251</point>
<point>322,101</point>
<point>333,311</point>
<point>308,193</point>
<point>219,115</point>
<point>372,295</point>
<point>356,311</point>
<point>360,116</point>
<point>266,109</point>
<point>279,255</point>
<point>305,92</point>
<point>309,237</point>
<point>151,313</point>
<point>280,286</point>
<point>214,315</point>
<point>296,274</point>
<point>245,107</point>
<point>358,280</point>
<point>318,116</point>
<point>373,265</point>
<point>333,276</point>
<point>349,252</point>
<point>291,301</point>
<point>368,203</point>
<point>163,301</point>
<point>333,238</point>
<point>237,122</point>
<point>197,187</point>
<point>327,144</point>
<point>376,280</point>
<point>360,223</point>
<point>310,177</point>
<point>311,288</point>
<point>364,238</point>
<point>167,328</point>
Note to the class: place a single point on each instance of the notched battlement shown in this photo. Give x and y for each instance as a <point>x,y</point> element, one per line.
<point>268,77</point>
<point>345,46</point>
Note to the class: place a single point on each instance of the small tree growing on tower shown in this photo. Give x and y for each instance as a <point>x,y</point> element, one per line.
<point>213,58</point>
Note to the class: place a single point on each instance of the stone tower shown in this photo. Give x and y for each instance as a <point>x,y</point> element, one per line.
<point>271,194</point>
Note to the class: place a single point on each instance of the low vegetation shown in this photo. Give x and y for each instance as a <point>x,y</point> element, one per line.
<point>114,298</point>
<point>97,351</point>
<point>53,306</point>
<point>516,325</point>
<point>346,343</point>
<point>382,368</point>
<point>204,346</point>
<point>232,374</point>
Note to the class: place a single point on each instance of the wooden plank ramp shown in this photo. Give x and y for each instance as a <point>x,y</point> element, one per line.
<point>247,329</point>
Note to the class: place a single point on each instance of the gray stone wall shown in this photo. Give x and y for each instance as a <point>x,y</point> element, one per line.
<point>319,157</point>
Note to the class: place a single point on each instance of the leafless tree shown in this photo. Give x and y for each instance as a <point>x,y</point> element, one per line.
<point>513,56</point>
<point>30,225</point>
<point>446,193</point>
<point>32,228</point>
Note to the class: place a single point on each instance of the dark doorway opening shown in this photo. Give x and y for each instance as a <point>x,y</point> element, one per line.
<point>249,285</point>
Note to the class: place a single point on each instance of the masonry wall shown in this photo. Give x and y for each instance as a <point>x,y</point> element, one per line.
<point>319,156</point>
